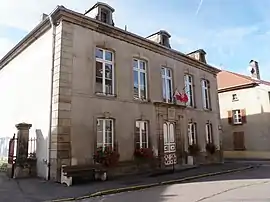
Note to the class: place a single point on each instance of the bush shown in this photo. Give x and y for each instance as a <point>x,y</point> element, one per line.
<point>193,149</point>
<point>106,156</point>
<point>143,153</point>
<point>211,148</point>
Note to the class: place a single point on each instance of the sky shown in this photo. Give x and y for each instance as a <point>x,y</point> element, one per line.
<point>232,32</point>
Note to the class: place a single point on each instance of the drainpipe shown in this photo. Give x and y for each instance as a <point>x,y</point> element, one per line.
<point>51,96</point>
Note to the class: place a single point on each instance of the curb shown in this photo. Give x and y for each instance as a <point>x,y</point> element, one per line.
<point>140,187</point>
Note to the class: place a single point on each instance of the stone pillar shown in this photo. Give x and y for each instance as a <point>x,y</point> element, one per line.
<point>22,150</point>
<point>23,139</point>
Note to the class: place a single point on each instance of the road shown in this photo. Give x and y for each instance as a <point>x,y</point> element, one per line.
<point>246,186</point>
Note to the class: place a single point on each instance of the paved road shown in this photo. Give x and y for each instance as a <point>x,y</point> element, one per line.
<point>247,186</point>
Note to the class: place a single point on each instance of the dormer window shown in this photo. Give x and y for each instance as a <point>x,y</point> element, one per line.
<point>104,16</point>
<point>102,12</point>
<point>162,37</point>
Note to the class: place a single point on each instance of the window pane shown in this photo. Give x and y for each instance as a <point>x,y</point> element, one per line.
<point>108,126</point>
<point>143,92</point>
<point>135,64</point>
<point>144,145</point>
<point>165,133</point>
<point>108,55</point>
<point>108,71</point>
<point>99,138</point>
<point>162,71</point>
<point>171,132</point>
<point>164,88</point>
<point>168,72</point>
<point>99,53</point>
<point>108,137</point>
<point>108,86</point>
<point>142,65</point>
<point>99,78</point>
<point>142,79</point>
<point>99,69</point>
<point>136,83</point>
<point>144,138</point>
<point>169,90</point>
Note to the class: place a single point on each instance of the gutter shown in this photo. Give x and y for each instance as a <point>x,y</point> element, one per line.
<point>51,96</point>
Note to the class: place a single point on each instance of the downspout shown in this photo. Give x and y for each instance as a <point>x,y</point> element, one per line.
<point>51,96</point>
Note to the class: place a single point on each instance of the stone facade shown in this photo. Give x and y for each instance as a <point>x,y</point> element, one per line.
<point>77,107</point>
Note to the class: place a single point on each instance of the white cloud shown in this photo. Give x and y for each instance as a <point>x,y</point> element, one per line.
<point>26,14</point>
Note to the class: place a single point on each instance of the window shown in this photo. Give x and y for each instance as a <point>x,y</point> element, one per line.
<point>234,97</point>
<point>104,16</point>
<point>105,133</point>
<point>239,141</point>
<point>189,89</point>
<point>167,84</point>
<point>141,134</point>
<point>140,79</point>
<point>269,96</point>
<point>237,118</point>
<point>192,133</point>
<point>206,93</point>
<point>104,71</point>
<point>169,137</point>
<point>209,133</point>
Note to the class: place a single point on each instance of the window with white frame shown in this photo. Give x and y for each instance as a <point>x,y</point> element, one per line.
<point>209,133</point>
<point>189,90</point>
<point>192,133</point>
<point>169,137</point>
<point>140,79</point>
<point>206,93</point>
<point>237,118</point>
<point>105,133</point>
<point>167,87</point>
<point>141,134</point>
<point>104,71</point>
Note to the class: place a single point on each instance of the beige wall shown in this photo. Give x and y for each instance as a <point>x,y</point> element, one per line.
<point>257,129</point>
<point>86,106</point>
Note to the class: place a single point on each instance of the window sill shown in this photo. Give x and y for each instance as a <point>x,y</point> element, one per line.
<point>141,100</point>
<point>237,124</point>
<point>235,100</point>
<point>100,94</point>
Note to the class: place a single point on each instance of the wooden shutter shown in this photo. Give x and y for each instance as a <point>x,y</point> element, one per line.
<point>238,141</point>
<point>230,119</point>
<point>243,115</point>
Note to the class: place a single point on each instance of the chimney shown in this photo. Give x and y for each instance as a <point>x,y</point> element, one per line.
<point>254,69</point>
<point>198,55</point>
<point>43,16</point>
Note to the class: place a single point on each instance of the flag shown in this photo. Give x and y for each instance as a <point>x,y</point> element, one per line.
<point>182,97</point>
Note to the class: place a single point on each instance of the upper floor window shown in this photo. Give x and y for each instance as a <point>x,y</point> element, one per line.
<point>206,93</point>
<point>104,15</point>
<point>209,133</point>
<point>141,134</point>
<point>105,133</point>
<point>104,71</point>
<point>140,79</point>
<point>189,89</point>
<point>192,133</point>
<point>237,118</point>
<point>234,97</point>
<point>269,96</point>
<point>167,84</point>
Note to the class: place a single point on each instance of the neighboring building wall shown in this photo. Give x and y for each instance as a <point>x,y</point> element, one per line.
<point>256,130</point>
<point>86,106</point>
<point>25,84</point>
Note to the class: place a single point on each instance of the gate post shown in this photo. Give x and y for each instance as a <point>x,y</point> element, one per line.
<point>22,149</point>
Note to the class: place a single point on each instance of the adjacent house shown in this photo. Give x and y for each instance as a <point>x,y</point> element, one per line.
<point>82,83</point>
<point>245,114</point>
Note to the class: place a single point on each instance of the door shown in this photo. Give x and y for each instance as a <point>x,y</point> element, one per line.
<point>169,143</point>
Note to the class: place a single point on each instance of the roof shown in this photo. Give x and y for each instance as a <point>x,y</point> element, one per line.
<point>60,12</point>
<point>197,51</point>
<point>231,81</point>
<point>160,32</point>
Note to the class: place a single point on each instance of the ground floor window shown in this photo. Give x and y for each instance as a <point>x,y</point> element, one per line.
<point>105,133</point>
<point>192,133</point>
<point>141,134</point>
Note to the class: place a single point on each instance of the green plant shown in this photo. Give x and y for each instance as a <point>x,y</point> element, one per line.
<point>193,149</point>
<point>210,148</point>
<point>106,156</point>
<point>143,153</point>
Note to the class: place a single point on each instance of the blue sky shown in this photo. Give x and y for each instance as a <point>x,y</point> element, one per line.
<point>232,32</point>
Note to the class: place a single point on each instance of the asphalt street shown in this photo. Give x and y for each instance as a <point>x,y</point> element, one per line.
<point>246,186</point>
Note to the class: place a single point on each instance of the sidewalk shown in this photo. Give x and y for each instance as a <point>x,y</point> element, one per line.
<point>35,190</point>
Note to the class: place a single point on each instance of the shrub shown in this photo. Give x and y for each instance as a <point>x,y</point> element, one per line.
<point>211,148</point>
<point>193,149</point>
<point>106,156</point>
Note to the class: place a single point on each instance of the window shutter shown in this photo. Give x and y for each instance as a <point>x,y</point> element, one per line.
<point>243,116</point>
<point>230,120</point>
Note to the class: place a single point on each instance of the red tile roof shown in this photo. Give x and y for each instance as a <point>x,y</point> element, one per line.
<point>227,79</point>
